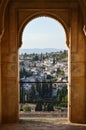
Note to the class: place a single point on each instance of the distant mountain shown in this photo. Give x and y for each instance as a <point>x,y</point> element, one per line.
<point>39,50</point>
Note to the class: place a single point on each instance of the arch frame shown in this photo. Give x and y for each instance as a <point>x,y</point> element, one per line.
<point>45,13</point>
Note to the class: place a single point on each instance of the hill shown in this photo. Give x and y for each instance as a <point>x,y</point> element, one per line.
<point>39,50</point>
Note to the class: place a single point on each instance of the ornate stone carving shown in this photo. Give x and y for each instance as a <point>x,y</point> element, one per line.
<point>78,69</point>
<point>11,57</point>
<point>10,69</point>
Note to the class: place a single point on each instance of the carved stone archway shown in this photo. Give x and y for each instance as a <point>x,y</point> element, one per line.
<point>16,15</point>
<point>45,13</point>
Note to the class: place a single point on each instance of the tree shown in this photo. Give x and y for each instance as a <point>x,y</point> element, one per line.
<point>38,107</point>
<point>39,88</point>
<point>50,107</point>
<point>62,96</point>
<point>32,93</point>
<point>59,72</point>
<point>25,55</point>
<point>36,57</point>
<point>54,61</point>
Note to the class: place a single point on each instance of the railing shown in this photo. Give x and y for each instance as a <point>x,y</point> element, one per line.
<point>46,94</point>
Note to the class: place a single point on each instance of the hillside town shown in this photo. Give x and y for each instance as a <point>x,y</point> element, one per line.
<point>42,76</point>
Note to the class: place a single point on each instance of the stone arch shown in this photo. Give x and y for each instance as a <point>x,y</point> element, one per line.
<point>46,14</point>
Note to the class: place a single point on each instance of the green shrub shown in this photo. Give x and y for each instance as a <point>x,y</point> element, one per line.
<point>62,105</point>
<point>26,108</point>
<point>50,107</point>
<point>38,107</point>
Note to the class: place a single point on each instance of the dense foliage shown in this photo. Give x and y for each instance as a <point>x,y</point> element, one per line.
<point>41,93</point>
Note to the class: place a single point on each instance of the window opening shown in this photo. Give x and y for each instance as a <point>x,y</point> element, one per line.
<point>43,64</point>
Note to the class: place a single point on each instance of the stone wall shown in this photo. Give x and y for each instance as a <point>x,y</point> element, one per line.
<point>78,69</point>
<point>9,60</point>
<point>80,81</point>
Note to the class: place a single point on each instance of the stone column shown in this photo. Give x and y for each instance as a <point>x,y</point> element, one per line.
<point>10,92</point>
<point>9,71</point>
<point>77,87</point>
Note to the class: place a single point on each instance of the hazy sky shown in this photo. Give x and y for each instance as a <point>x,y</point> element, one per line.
<point>44,32</point>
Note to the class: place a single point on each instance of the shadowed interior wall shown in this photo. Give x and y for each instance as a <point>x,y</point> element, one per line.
<point>78,72</point>
<point>9,60</point>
